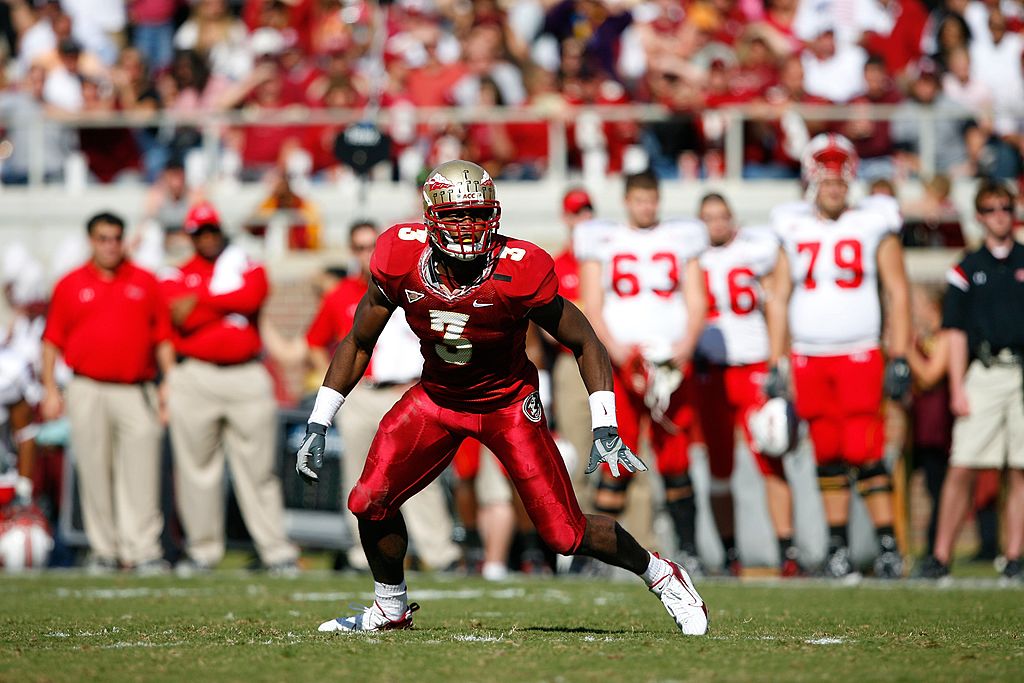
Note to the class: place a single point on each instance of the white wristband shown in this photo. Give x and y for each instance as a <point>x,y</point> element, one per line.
<point>328,402</point>
<point>602,409</point>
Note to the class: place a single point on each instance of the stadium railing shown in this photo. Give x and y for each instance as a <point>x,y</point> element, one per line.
<point>212,125</point>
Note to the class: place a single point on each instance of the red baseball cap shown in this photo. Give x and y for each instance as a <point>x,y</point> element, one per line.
<point>576,200</point>
<point>200,215</point>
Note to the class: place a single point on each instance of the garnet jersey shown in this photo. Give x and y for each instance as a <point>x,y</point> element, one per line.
<point>641,274</point>
<point>835,308</point>
<point>473,342</point>
<point>736,333</point>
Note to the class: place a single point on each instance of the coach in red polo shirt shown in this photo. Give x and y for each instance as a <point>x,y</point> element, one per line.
<point>221,400</point>
<point>110,321</point>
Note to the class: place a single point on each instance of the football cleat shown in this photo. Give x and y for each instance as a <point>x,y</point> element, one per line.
<point>931,568</point>
<point>1013,571</point>
<point>838,564</point>
<point>790,569</point>
<point>372,618</point>
<point>889,565</point>
<point>682,601</point>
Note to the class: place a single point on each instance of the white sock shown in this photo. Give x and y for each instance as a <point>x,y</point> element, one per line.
<point>657,569</point>
<point>392,598</point>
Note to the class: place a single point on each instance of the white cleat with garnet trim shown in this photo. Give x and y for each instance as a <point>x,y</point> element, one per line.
<point>372,618</point>
<point>682,601</point>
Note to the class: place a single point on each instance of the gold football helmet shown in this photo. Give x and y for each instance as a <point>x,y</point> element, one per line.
<point>460,209</point>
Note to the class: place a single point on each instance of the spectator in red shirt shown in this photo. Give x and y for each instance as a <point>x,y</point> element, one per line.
<point>778,25</point>
<point>263,146</point>
<point>786,135</point>
<point>110,321</point>
<point>873,139</point>
<point>221,400</point>
<point>902,46</point>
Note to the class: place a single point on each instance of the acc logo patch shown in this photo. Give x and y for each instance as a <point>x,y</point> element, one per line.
<point>532,408</point>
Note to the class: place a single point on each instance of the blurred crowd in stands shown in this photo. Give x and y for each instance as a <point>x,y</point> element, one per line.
<point>76,58</point>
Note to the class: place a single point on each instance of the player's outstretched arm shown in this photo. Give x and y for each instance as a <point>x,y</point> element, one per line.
<point>346,368</point>
<point>566,323</point>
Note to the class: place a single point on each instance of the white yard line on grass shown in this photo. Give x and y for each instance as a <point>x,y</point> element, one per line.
<point>825,641</point>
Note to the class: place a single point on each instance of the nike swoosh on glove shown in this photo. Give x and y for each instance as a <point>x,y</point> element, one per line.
<point>310,456</point>
<point>608,448</point>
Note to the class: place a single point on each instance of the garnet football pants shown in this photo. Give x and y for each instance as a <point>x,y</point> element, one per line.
<point>417,440</point>
<point>841,399</point>
<point>724,397</point>
<point>669,437</point>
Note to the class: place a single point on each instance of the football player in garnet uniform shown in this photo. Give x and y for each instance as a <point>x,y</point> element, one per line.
<point>469,294</point>
<point>832,261</point>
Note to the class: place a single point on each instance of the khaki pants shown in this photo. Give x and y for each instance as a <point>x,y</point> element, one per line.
<point>426,514</point>
<point>115,434</point>
<point>992,436</point>
<point>231,409</point>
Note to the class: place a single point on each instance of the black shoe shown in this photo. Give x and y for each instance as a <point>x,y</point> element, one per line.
<point>931,568</point>
<point>1013,571</point>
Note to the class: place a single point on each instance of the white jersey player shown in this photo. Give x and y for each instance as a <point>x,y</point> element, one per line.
<point>834,260</point>
<point>731,370</point>
<point>643,291</point>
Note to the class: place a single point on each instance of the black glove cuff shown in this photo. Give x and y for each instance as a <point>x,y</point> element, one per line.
<point>316,428</point>
<point>606,432</point>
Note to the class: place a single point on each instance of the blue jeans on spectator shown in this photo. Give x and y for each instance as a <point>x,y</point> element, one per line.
<point>156,43</point>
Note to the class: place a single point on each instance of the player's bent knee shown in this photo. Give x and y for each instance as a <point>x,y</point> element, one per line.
<point>873,478</point>
<point>564,539</point>
<point>833,476</point>
<point>366,504</point>
<point>677,487</point>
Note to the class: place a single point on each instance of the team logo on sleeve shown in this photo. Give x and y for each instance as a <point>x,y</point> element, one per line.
<point>532,408</point>
<point>413,296</point>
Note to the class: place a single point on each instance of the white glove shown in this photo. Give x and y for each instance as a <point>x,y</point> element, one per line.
<point>310,457</point>
<point>608,448</point>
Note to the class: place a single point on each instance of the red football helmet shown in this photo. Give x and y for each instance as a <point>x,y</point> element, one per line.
<point>454,191</point>
<point>826,156</point>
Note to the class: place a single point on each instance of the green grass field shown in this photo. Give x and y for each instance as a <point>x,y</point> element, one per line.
<point>236,626</point>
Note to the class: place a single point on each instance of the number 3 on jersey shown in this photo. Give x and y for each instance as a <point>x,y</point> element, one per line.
<point>455,349</point>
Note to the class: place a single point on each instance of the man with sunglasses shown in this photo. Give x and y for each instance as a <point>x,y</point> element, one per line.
<point>109,320</point>
<point>469,294</point>
<point>984,318</point>
<point>221,400</point>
